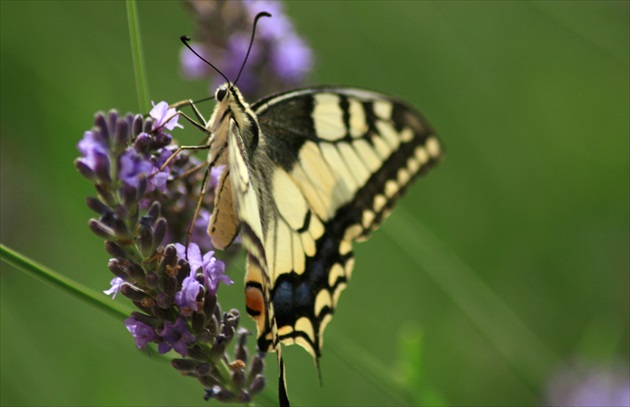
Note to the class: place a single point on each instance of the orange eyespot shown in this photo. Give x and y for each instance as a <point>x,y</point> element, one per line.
<point>255,301</point>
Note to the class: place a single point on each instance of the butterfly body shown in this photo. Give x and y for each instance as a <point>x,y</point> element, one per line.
<point>308,172</point>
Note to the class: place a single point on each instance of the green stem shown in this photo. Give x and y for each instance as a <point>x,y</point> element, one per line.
<point>62,283</point>
<point>142,90</point>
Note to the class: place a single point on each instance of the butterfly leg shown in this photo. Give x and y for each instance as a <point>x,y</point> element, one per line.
<point>201,121</point>
<point>179,150</point>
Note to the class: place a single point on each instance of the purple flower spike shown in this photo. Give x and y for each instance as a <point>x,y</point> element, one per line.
<point>116,285</point>
<point>186,298</point>
<point>176,336</point>
<point>142,333</point>
<point>164,116</point>
<point>214,273</point>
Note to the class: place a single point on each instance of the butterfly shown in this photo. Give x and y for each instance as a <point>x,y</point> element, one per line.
<point>307,173</point>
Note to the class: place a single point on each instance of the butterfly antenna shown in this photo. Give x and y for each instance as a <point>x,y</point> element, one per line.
<point>184,39</point>
<point>251,41</point>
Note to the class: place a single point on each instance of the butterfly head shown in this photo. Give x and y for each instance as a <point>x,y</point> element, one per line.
<point>222,92</point>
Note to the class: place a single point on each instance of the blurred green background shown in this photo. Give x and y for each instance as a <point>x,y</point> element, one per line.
<point>531,100</point>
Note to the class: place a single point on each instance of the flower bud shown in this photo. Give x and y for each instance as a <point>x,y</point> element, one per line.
<point>152,280</point>
<point>145,241</point>
<point>142,143</point>
<point>136,124</point>
<point>101,230</point>
<point>116,268</point>
<point>169,260</point>
<point>121,212</point>
<point>146,319</point>
<point>132,293</point>
<point>256,366</point>
<point>199,352</point>
<point>163,301</point>
<point>197,320</point>
<point>105,195</point>
<point>85,170</point>
<point>238,378</point>
<point>154,210</point>
<point>184,365</point>
<point>121,137</point>
<point>208,381</point>
<point>170,286</point>
<point>240,351</point>
<point>135,271</point>
<point>213,325</point>
<point>129,197</point>
<point>101,125</point>
<point>202,369</point>
<point>159,231</point>
<point>209,303</point>
<point>218,347</point>
<point>121,230</point>
<point>258,384</point>
<point>244,397</point>
<point>115,250</point>
<point>101,168</point>
<point>96,205</point>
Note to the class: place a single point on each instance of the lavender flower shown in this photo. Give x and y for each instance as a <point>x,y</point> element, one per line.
<point>141,332</point>
<point>279,58</point>
<point>186,298</point>
<point>176,336</point>
<point>214,273</point>
<point>164,116</point>
<point>116,285</point>
<point>92,148</point>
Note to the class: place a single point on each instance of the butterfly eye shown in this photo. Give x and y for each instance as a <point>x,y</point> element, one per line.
<point>221,93</point>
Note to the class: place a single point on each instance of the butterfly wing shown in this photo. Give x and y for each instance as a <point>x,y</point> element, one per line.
<point>248,206</point>
<point>335,160</point>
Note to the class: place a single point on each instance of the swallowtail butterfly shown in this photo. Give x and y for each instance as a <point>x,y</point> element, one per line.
<point>308,173</point>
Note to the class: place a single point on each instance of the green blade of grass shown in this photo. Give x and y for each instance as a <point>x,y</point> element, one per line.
<point>142,90</point>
